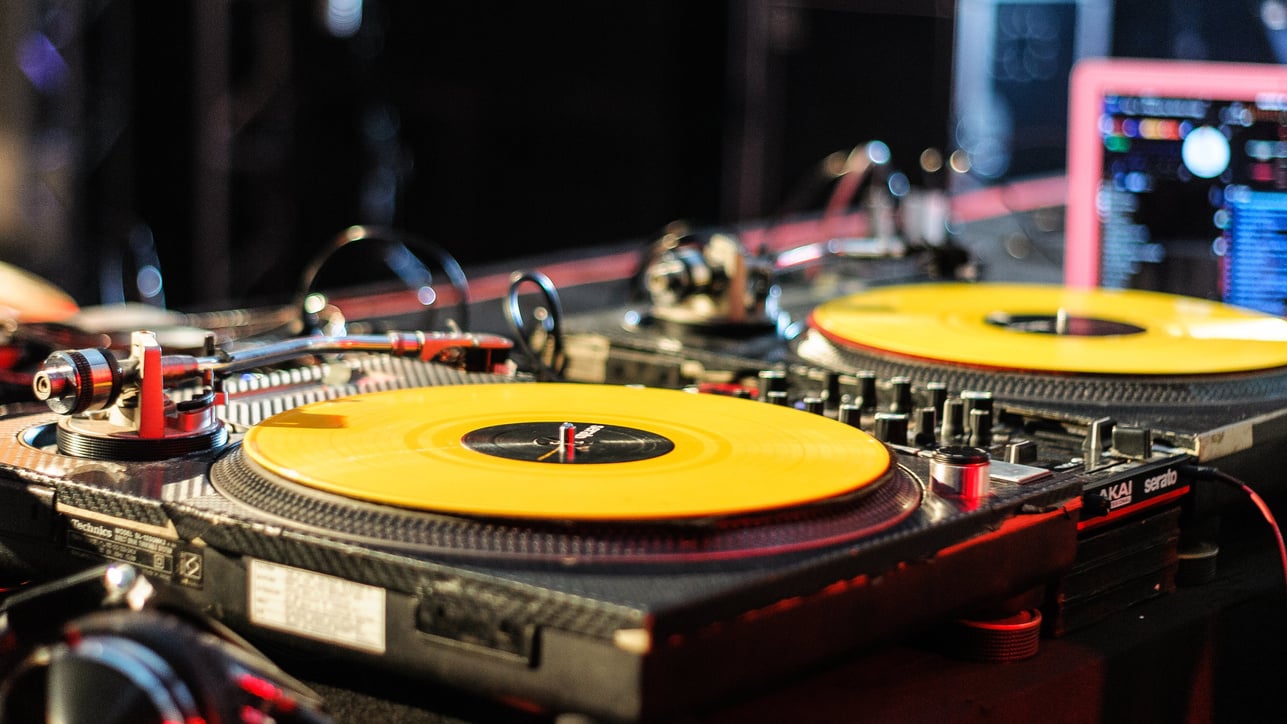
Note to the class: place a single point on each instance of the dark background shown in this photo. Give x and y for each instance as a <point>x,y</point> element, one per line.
<point>237,138</point>
<point>233,139</point>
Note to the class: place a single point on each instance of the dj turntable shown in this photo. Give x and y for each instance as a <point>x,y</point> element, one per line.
<point>587,548</point>
<point>1199,376</point>
<point>1206,377</point>
<point>639,539</point>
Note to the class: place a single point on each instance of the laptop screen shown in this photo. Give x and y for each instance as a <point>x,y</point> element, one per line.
<point>1177,174</point>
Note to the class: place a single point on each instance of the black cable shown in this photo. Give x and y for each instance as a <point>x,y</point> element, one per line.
<point>413,244</point>
<point>549,362</point>
<point>1203,472</point>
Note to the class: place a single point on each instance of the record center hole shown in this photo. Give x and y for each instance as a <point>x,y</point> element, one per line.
<point>1062,324</point>
<point>553,442</point>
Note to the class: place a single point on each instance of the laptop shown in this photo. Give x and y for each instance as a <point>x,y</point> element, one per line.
<point>1177,179</point>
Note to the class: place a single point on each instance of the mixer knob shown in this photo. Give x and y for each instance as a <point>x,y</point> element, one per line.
<point>867,390</point>
<point>1021,452</point>
<point>926,420</point>
<point>901,392</point>
<point>831,390</point>
<point>850,414</point>
<point>936,395</point>
<point>891,427</point>
<point>771,381</point>
<point>953,422</point>
<point>975,400</point>
<point>980,427</point>
<point>1133,442</point>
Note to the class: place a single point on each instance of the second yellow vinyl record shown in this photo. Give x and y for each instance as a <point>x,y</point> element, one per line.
<point>1046,328</point>
<point>629,453</point>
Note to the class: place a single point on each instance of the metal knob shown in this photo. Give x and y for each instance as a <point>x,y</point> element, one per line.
<point>76,381</point>
<point>961,470</point>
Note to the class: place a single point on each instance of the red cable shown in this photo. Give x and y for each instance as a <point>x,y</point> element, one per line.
<point>1259,503</point>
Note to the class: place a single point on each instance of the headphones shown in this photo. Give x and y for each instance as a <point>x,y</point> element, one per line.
<point>105,645</point>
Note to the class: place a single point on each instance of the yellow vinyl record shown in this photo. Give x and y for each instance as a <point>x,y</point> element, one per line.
<point>626,453</point>
<point>1046,328</point>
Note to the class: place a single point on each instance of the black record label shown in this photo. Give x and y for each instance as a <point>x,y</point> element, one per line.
<point>1060,324</point>
<point>567,442</point>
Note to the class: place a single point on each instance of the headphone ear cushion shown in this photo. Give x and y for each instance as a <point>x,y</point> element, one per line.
<point>119,665</point>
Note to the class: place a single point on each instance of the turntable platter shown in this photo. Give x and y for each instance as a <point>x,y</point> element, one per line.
<point>1042,328</point>
<point>629,453</point>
